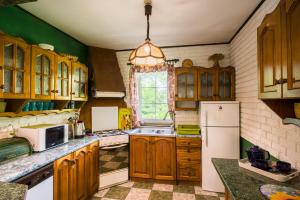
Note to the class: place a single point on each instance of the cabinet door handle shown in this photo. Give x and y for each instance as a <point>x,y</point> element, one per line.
<point>283,80</point>
<point>1,87</point>
<point>277,82</point>
<point>73,93</point>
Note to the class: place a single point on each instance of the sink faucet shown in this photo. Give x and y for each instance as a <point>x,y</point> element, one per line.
<point>172,116</point>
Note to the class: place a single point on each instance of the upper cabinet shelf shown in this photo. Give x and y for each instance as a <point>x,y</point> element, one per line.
<point>278,52</point>
<point>30,72</point>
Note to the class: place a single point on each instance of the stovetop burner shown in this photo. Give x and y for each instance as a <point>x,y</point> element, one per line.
<point>107,133</point>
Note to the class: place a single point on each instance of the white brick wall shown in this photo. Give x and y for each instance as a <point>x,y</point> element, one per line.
<point>199,56</point>
<point>259,124</point>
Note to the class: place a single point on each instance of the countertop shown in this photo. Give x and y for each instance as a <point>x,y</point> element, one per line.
<point>15,169</point>
<point>12,191</point>
<point>173,134</point>
<point>244,184</point>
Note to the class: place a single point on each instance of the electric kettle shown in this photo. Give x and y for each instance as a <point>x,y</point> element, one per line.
<point>79,129</point>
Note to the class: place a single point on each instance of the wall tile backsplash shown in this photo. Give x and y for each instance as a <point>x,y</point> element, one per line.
<point>33,120</point>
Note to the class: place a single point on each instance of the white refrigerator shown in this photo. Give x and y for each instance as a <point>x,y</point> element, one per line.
<point>220,130</point>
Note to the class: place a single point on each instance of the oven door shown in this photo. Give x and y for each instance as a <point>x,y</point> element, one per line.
<point>114,165</point>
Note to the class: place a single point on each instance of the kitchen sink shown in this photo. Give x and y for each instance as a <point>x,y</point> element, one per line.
<point>155,130</point>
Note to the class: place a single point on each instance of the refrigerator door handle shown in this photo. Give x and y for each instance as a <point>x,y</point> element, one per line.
<point>206,135</point>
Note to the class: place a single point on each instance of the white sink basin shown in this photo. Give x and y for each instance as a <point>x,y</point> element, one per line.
<point>154,131</point>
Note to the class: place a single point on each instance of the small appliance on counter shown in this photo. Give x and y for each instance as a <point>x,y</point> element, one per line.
<point>14,148</point>
<point>78,128</point>
<point>44,136</point>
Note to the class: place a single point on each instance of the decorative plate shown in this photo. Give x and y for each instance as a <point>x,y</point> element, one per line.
<point>278,192</point>
<point>187,63</point>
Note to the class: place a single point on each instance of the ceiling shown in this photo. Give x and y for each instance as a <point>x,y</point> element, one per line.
<point>121,24</point>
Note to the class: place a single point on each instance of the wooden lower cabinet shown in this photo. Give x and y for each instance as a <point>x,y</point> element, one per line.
<point>76,175</point>
<point>188,159</point>
<point>64,171</point>
<point>81,173</point>
<point>164,158</point>
<point>152,157</point>
<point>93,168</point>
<point>140,157</point>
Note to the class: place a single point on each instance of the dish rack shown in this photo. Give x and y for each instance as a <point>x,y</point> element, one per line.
<point>278,176</point>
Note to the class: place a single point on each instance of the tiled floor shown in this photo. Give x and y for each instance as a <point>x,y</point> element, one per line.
<point>155,191</point>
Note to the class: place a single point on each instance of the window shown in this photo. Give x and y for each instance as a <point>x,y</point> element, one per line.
<point>153,96</point>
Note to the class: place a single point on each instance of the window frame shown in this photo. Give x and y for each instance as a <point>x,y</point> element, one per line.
<point>145,122</point>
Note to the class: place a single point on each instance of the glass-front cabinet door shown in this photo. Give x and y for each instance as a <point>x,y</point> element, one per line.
<point>207,86</point>
<point>62,78</point>
<point>42,76</point>
<point>186,84</point>
<point>226,84</point>
<point>14,68</point>
<point>79,81</point>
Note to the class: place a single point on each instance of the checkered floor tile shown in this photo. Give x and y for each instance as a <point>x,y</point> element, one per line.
<point>155,191</point>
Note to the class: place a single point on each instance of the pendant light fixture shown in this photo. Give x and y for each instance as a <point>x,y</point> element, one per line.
<point>147,54</point>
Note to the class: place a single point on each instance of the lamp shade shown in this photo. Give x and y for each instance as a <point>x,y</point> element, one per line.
<point>147,55</point>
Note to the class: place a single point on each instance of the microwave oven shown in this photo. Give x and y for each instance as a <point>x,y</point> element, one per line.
<point>44,136</point>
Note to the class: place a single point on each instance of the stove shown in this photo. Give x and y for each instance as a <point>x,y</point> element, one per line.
<point>112,137</point>
<point>108,133</point>
<point>114,147</point>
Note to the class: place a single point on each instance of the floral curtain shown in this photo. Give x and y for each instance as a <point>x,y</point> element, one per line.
<point>133,87</point>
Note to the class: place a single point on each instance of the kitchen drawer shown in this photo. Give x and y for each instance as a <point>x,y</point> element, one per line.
<point>188,154</point>
<point>189,171</point>
<point>191,142</point>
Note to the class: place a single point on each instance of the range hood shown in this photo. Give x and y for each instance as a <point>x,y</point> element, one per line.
<point>105,78</point>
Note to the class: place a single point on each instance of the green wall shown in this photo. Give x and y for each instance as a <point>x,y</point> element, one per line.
<point>17,22</point>
<point>245,145</point>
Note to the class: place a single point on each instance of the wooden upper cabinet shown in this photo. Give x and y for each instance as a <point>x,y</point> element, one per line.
<point>140,157</point>
<point>269,55</point>
<point>216,84</point>
<point>42,73</point>
<point>81,172</point>
<point>63,76</point>
<point>164,158</point>
<point>207,86</point>
<point>64,171</point>
<point>79,82</point>
<point>226,84</point>
<point>14,68</point>
<point>291,52</point>
<point>186,84</point>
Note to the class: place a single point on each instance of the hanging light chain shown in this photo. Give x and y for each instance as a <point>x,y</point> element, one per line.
<point>148,11</point>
